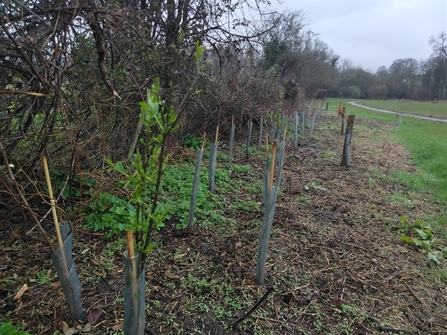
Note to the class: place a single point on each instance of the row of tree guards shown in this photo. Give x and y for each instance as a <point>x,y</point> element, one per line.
<point>275,159</point>
<point>134,292</point>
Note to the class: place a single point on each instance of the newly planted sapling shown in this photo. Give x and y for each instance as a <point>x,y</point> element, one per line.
<point>146,170</point>
<point>158,120</point>
<point>143,183</point>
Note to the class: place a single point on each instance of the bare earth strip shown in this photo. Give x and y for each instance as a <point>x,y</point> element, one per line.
<point>391,112</point>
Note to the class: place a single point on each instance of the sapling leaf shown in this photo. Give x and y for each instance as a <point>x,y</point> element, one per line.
<point>200,50</point>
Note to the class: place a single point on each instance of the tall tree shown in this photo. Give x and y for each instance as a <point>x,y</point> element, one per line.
<point>297,56</point>
<point>403,78</point>
<point>435,69</point>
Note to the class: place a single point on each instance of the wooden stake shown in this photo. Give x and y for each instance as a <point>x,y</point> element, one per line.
<point>52,202</point>
<point>130,247</point>
<point>133,270</point>
<point>217,135</point>
<point>53,210</point>
<point>203,141</point>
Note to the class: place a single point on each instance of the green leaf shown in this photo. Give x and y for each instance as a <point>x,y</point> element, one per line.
<point>407,239</point>
<point>425,244</point>
<point>422,234</point>
<point>200,50</point>
<point>151,246</point>
<point>432,256</point>
<point>181,226</point>
<point>7,328</point>
<point>118,210</point>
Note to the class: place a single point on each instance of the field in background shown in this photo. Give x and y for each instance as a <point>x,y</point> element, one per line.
<point>425,140</point>
<point>437,109</point>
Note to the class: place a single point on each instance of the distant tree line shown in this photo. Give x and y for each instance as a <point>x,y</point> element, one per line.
<point>405,79</point>
<point>312,66</point>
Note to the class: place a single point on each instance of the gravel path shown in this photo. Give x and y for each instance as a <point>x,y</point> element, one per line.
<point>403,114</point>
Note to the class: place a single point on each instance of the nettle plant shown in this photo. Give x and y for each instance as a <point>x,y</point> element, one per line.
<point>421,235</point>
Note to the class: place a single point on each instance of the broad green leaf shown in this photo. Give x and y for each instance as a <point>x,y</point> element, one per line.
<point>433,257</point>
<point>407,239</point>
<point>422,234</point>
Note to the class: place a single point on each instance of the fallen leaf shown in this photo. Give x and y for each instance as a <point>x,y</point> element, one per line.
<point>67,330</point>
<point>119,326</point>
<point>178,256</point>
<point>93,316</point>
<point>171,276</point>
<point>19,294</point>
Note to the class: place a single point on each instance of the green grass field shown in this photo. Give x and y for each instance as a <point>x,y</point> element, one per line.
<point>425,140</point>
<point>432,109</point>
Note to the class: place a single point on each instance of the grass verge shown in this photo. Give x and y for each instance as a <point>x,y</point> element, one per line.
<point>425,140</point>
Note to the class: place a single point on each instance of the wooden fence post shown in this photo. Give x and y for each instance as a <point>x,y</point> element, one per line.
<point>348,138</point>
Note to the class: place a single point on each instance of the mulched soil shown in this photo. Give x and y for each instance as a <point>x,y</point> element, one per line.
<point>336,263</point>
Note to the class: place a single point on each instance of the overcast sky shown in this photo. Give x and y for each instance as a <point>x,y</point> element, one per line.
<point>372,33</point>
